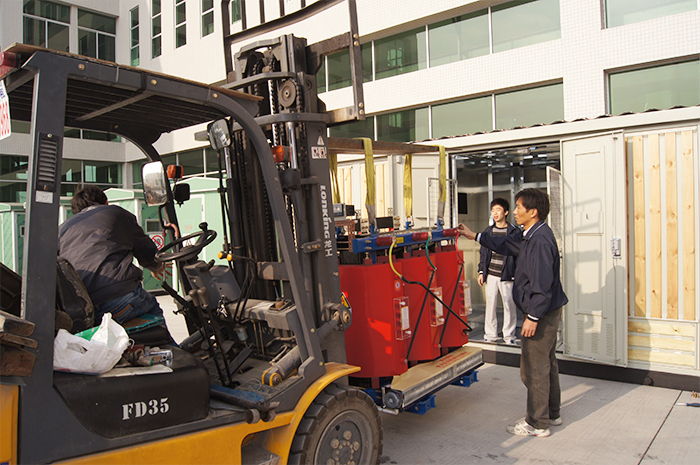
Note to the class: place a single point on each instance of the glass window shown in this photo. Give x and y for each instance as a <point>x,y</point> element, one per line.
<point>20,127</point>
<point>235,11</point>
<point>207,17</point>
<point>321,77</point>
<point>96,35</point>
<point>524,22</point>
<point>136,171</point>
<point>97,22</point>
<point>71,170</point>
<point>156,29</point>
<point>621,12</point>
<point>48,10</point>
<point>180,23</point>
<point>169,160</point>
<point>192,162</point>
<point>339,71</point>
<point>102,172</point>
<point>459,38</point>
<point>134,28</point>
<point>660,87</point>
<point>400,53</point>
<point>13,192</point>
<point>52,31</point>
<point>212,161</point>
<point>355,129</point>
<point>13,167</point>
<point>530,106</point>
<point>403,126</point>
<point>463,117</point>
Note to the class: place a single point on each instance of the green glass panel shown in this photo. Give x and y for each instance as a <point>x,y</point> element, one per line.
<point>58,37</point>
<point>180,13</point>
<point>530,106</point>
<point>367,62</point>
<point>180,36</point>
<point>459,38</point>
<point>106,47</point>
<point>135,36</point>
<point>621,12</point>
<point>72,133</point>
<point>13,167</point>
<point>34,32</point>
<point>155,7</point>
<point>463,117</point>
<point>20,127</point>
<point>208,23</point>
<point>521,23</point>
<point>97,22</point>
<point>15,192</point>
<point>102,172</point>
<point>400,53</point>
<point>403,126</point>
<point>207,5</point>
<point>136,171</point>
<point>339,70</point>
<point>48,10</point>
<point>135,57</point>
<point>87,43</point>
<point>71,170</point>
<point>321,77</point>
<point>355,129</point>
<point>192,162</point>
<point>212,160</point>
<point>155,29</point>
<point>134,17</point>
<point>235,11</point>
<point>661,87</point>
<point>68,190</point>
<point>156,47</point>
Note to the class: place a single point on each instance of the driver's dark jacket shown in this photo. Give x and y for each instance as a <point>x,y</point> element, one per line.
<point>101,242</point>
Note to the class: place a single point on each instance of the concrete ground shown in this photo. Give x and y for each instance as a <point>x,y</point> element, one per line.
<point>605,422</point>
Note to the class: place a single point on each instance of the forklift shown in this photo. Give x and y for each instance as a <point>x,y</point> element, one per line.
<point>263,376</point>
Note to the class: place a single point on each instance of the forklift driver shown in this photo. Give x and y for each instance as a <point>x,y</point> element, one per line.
<point>100,241</point>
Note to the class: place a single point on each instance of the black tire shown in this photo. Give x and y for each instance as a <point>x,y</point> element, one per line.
<point>342,426</point>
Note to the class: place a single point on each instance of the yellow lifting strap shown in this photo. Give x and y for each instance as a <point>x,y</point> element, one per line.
<point>408,185</point>
<point>371,199</point>
<point>443,184</point>
<point>333,160</point>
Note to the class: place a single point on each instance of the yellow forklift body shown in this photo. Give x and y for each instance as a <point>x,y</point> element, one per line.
<point>218,445</point>
<point>9,399</point>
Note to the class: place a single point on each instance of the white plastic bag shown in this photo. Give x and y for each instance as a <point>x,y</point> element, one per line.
<point>95,356</point>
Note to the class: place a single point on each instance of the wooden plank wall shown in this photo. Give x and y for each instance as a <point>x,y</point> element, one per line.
<point>663,315</point>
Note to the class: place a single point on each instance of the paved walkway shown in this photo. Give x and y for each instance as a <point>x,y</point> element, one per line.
<point>605,422</point>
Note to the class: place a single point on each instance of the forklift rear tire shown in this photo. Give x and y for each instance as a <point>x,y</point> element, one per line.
<point>341,426</point>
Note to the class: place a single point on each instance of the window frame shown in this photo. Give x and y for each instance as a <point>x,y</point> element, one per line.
<point>134,28</point>
<point>181,25</point>
<point>156,51</point>
<point>209,11</point>
<point>98,35</point>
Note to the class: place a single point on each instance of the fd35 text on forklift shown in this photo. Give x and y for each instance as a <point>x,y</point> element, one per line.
<point>262,377</point>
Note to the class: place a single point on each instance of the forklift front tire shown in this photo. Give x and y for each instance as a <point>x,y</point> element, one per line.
<point>343,426</point>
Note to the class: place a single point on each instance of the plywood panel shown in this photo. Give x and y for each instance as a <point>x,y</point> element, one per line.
<point>689,232</point>
<point>662,327</point>
<point>639,226</point>
<point>671,358</point>
<point>654,258</point>
<point>670,343</point>
<point>671,228</point>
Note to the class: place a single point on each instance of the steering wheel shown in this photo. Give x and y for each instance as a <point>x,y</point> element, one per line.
<point>204,238</point>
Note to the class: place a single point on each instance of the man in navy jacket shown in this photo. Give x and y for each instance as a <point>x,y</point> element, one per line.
<point>538,293</point>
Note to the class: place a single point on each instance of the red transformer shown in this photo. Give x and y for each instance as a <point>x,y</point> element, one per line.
<point>380,332</point>
<point>450,277</point>
<point>427,331</point>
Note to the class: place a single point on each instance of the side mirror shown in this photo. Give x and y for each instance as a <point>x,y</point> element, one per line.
<point>155,190</point>
<point>219,135</point>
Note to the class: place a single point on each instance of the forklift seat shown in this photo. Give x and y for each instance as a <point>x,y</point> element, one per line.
<point>72,297</point>
<point>118,405</point>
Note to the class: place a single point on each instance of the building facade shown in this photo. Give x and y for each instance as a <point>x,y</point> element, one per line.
<point>463,74</point>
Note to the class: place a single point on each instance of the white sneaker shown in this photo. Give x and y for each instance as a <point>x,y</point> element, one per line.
<point>556,421</point>
<point>513,342</point>
<point>523,428</point>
